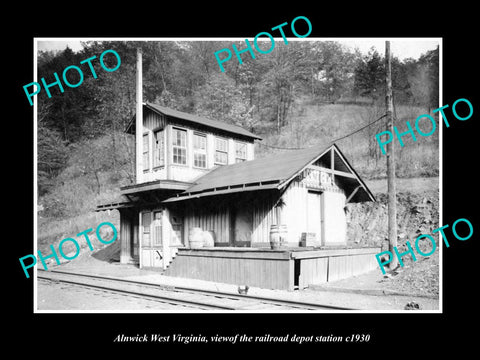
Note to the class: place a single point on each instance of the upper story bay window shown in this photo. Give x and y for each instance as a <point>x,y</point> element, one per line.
<point>179,146</point>
<point>221,151</point>
<point>240,151</point>
<point>199,150</point>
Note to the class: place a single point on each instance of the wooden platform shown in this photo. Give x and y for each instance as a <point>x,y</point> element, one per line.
<point>283,269</point>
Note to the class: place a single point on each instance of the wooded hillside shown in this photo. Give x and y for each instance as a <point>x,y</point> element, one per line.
<point>300,94</point>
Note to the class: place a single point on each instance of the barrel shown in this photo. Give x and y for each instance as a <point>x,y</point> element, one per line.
<point>195,238</point>
<point>209,238</point>
<point>278,235</point>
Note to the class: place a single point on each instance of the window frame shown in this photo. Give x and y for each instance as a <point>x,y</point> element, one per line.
<point>146,229</point>
<point>199,151</point>
<point>161,149</point>
<point>244,158</point>
<point>146,151</point>
<point>185,131</point>
<point>220,151</point>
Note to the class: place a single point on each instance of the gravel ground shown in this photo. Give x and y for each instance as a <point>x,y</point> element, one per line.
<point>349,293</point>
<point>58,296</point>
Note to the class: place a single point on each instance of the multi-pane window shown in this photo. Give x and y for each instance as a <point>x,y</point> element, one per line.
<point>221,151</point>
<point>240,152</point>
<point>179,146</point>
<point>146,221</point>
<point>199,150</point>
<point>158,149</point>
<point>146,157</point>
<point>157,228</point>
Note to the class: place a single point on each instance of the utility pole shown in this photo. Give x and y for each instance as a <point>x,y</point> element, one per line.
<point>139,118</point>
<point>392,201</point>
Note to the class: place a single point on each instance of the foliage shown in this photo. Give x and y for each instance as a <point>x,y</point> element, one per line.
<point>300,94</point>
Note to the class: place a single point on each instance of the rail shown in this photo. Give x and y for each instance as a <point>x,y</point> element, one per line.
<point>198,298</point>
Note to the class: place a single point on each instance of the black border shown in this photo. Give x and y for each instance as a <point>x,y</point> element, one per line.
<point>393,332</point>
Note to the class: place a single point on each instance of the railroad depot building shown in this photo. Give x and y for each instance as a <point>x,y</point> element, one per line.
<point>203,207</point>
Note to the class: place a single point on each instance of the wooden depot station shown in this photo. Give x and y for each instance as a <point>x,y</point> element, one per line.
<point>202,207</point>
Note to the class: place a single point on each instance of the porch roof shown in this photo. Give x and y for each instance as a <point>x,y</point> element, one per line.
<point>155,185</point>
<point>271,172</point>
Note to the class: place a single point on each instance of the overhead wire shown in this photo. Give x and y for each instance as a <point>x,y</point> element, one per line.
<point>338,139</point>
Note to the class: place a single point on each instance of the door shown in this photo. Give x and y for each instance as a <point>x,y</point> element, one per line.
<point>152,249</point>
<point>314,216</point>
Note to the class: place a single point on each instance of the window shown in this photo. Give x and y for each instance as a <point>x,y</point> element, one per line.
<point>179,143</point>
<point>240,152</point>
<point>146,157</point>
<point>221,151</point>
<point>199,150</point>
<point>146,221</point>
<point>158,149</point>
<point>157,228</point>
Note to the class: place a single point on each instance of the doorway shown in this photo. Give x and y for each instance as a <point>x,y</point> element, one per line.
<point>151,239</point>
<point>315,216</point>
<point>241,226</point>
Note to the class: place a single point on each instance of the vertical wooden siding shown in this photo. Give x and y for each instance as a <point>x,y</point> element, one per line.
<point>342,267</point>
<point>153,120</point>
<point>263,217</point>
<point>319,270</point>
<point>313,271</point>
<point>295,211</point>
<point>217,221</point>
<point>234,269</point>
<point>294,215</point>
<point>125,236</point>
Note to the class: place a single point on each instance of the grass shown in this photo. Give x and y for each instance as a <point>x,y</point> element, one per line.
<point>410,185</point>
<point>318,124</point>
<point>53,230</point>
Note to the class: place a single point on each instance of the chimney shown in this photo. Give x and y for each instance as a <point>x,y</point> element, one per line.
<point>139,119</point>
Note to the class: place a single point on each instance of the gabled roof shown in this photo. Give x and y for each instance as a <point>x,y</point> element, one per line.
<point>272,172</point>
<point>191,118</point>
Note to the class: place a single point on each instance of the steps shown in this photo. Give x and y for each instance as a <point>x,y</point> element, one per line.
<point>173,254</point>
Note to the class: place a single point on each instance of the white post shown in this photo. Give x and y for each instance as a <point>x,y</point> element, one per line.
<point>139,119</point>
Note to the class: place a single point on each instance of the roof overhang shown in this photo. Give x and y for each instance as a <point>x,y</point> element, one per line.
<point>224,191</point>
<point>192,119</point>
<point>114,206</point>
<point>155,185</point>
<point>358,190</point>
<point>350,181</point>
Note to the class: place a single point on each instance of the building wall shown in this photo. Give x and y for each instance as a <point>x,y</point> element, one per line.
<point>264,215</point>
<point>296,214</point>
<point>216,220</point>
<point>295,211</point>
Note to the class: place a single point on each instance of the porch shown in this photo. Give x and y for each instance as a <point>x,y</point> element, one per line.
<point>284,269</point>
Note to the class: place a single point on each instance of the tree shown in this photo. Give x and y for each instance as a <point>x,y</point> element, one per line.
<point>51,156</point>
<point>67,110</point>
<point>287,70</point>
<point>431,59</point>
<point>369,76</point>
<point>334,69</point>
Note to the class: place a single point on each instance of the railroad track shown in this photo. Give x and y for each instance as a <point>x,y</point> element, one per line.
<point>197,298</point>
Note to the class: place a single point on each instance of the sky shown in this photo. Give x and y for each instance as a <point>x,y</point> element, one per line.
<point>402,48</point>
